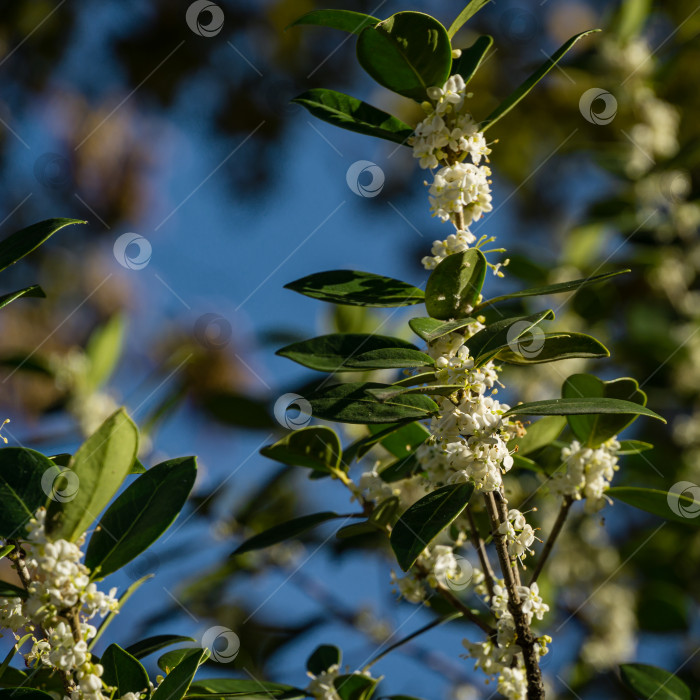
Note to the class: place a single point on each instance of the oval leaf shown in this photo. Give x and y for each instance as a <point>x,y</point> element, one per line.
<point>33,291</point>
<point>455,284</point>
<point>540,434</point>
<point>470,60</point>
<point>354,686</point>
<point>323,658</point>
<point>466,14</point>
<point>430,329</point>
<point>551,347</point>
<point>123,671</point>
<point>582,406</point>
<point>426,519</point>
<point>152,644</point>
<point>345,20</point>
<point>653,682</point>
<point>315,447</point>
<point>681,505</point>
<point>176,684</point>
<point>407,53</point>
<point>249,690</point>
<point>141,514</point>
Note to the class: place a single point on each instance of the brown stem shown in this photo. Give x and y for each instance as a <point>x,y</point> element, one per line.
<point>525,638</point>
<point>549,544</point>
<point>481,551</point>
<point>16,556</point>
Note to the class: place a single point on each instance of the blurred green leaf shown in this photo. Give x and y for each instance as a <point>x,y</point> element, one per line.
<point>104,348</point>
<point>465,15</point>
<point>322,658</point>
<point>33,291</point>
<point>682,507</point>
<point>315,447</point>
<point>345,20</point>
<point>470,60</point>
<point>651,682</point>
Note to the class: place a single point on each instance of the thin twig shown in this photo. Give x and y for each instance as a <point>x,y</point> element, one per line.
<point>16,556</point>
<point>549,544</point>
<point>481,551</point>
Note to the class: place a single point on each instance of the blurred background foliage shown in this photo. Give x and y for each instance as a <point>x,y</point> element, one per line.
<point>118,113</point>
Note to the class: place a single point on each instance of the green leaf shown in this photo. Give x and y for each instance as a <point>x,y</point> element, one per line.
<point>586,405</point>
<point>426,519</point>
<point>5,666</point>
<point>681,505</point>
<point>350,403</point>
<point>23,242</point>
<point>7,590</point>
<point>540,434</point>
<point>284,531</point>
<point>24,694</point>
<point>152,644</point>
<point>630,20</point>
<point>177,682</point>
<point>407,53</point>
<point>172,659</point>
<point>345,20</point>
<point>402,468</point>
<point>323,657</point>
<point>430,329</point>
<point>354,288</point>
<point>249,690</point>
<point>594,430</point>
<point>355,352</point>
<point>315,447</point>
<point>487,343</point>
<point>466,14</point>
<point>352,114</point>
<point>4,551</point>
<point>551,347</point>
<point>405,440</point>
<point>21,488</point>
<point>386,393</point>
<point>33,291</point>
<point>104,347</point>
<point>653,682</point>
<point>559,288</point>
<point>123,671</point>
<point>100,466</point>
<point>530,83</point>
<point>470,60</point>
<point>355,686</point>
<point>140,515</point>
<point>633,447</point>
<point>455,284</point>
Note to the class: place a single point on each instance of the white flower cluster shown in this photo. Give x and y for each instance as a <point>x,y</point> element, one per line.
<point>321,686</point>
<point>520,535</point>
<point>460,191</point>
<point>441,565</point>
<point>469,440</point>
<point>60,602</point>
<point>375,490</point>
<point>588,474</point>
<point>502,657</point>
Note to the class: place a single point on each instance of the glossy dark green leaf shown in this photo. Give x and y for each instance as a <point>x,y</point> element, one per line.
<point>634,447</point>
<point>23,242</point>
<point>425,520</point>
<point>24,694</point>
<point>520,92</point>
<point>322,658</point>
<point>387,393</point>
<point>539,434</point>
<point>350,403</point>
<point>501,335</point>
<point>402,468</point>
<point>345,20</point>
<point>248,689</point>
<point>407,53</point>
<point>140,515</point>
<point>7,590</point>
<point>354,686</point>
<point>682,506</point>
<point>315,447</point>
<point>355,288</point>
<point>21,489</point>
<point>284,531</point>
<point>455,284</point>
<point>470,60</point>
<point>466,14</point>
<point>552,347</point>
<point>123,671</point>
<point>173,658</point>
<point>355,352</point>
<point>352,114</point>
<point>649,682</point>
<point>176,684</point>
<point>98,468</point>
<point>33,291</point>
<point>152,644</point>
<point>586,405</point>
<point>559,288</point>
<point>593,430</point>
<point>430,329</point>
